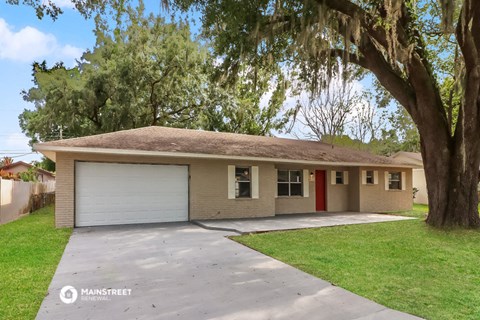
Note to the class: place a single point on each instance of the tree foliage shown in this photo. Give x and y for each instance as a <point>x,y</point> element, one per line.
<point>53,10</point>
<point>45,164</point>
<point>146,72</point>
<point>31,175</point>
<point>253,104</point>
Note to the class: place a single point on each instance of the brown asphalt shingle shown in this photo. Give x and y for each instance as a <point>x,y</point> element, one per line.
<point>219,143</point>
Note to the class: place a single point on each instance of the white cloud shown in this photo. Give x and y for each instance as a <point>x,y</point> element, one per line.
<point>71,51</point>
<point>64,4</point>
<point>29,44</point>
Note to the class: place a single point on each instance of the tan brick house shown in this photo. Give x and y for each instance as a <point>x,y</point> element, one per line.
<point>418,175</point>
<point>158,174</point>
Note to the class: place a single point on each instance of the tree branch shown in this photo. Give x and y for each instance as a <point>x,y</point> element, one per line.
<point>354,11</point>
<point>349,57</point>
<point>465,37</point>
<point>388,77</point>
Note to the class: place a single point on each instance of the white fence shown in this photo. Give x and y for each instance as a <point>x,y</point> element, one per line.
<point>16,197</point>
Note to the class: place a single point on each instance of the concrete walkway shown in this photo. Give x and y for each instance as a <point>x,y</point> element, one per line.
<point>182,271</point>
<point>298,221</point>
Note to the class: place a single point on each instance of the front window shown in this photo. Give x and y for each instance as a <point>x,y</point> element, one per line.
<point>242,182</point>
<point>370,177</point>
<point>339,177</point>
<point>394,181</point>
<point>289,182</point>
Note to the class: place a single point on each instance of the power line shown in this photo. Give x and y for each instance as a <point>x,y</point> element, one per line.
<point>25,154</point>
<point>17,155</point>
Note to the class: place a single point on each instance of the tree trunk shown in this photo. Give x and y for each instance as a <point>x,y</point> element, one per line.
<point>451,160</point>
<point>452,178</point>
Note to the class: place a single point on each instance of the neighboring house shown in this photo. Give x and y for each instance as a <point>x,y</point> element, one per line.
<point>20,166</point>
<point>419,181</point>
<point>158,174</point>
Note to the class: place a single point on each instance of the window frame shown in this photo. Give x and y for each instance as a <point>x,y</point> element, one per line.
<point>289,182</point>
<point>372,177</point>
<point>341,177</point>
<point>238,182</point>
<point>399,180</point>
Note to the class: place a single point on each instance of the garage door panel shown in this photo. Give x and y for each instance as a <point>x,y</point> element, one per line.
<point>108,193</point>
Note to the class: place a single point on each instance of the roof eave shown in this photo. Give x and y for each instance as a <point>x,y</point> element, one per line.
<point>50,152</point>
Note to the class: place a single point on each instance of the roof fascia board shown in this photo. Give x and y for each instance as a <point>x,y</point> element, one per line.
<point>48,149</point>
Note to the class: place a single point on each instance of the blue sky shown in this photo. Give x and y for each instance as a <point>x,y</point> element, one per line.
<point>23,40</point>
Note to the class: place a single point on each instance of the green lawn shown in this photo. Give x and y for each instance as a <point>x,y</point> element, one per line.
<point>30,249</point>
<point>404,265</point>
<point>418,211</point>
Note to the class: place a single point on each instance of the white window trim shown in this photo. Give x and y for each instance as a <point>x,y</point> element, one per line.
<point>231,182</point>
<point>333,178</point>
<point>276,184</point>
<point>402,181</point>
<point>306,183</point>
<point>254,182</point>
<point>374,177</point>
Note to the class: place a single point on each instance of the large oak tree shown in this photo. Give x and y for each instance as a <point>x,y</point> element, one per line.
<point>392,39</point>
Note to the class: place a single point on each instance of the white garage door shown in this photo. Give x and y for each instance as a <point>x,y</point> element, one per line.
<point>111,193</point>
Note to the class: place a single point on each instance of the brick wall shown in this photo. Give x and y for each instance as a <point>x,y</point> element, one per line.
<point>208,198</point>
<point>208,187</point>
<point>374,198</point>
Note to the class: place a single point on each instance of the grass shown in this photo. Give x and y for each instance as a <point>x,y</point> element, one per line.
<point>30,249</point>
<point>418,211</point>
<point>404,265</point>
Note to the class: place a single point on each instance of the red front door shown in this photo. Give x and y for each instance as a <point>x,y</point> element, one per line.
<point>320,190</point>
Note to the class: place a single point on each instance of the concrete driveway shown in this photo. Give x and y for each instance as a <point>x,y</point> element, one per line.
<point>182,271</point>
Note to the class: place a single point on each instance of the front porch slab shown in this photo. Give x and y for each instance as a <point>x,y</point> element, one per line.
<point>298,221</point>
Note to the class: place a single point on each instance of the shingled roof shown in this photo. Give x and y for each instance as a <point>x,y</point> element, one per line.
<point>163,140</point>
<point>413,158</point>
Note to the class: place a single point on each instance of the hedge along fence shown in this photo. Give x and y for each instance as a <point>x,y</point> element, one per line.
<point>18,198</point>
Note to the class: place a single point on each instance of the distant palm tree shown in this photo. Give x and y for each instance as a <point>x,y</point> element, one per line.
<point>6,161</point>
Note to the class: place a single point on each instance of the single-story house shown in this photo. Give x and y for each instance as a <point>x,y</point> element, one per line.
<point>418,174</point>
<point>20,166</point>
<point>158,174</point>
